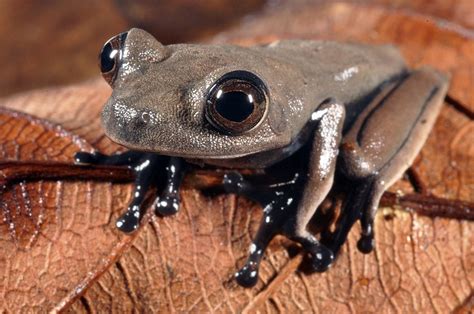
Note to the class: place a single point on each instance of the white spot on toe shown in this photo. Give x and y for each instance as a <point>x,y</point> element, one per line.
<point>253,248</point>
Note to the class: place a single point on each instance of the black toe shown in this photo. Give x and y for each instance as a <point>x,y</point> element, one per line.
<point>84,158</point>
<point>321,259</point>
<point>247,276</point>
<point>129,221</point>
<point>167,205</point>
<point>366,244</point>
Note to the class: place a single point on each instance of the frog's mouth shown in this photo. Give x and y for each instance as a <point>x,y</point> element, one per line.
<point>144,130</point>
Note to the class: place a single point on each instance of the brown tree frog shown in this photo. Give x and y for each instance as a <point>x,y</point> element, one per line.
<point>312,114</point>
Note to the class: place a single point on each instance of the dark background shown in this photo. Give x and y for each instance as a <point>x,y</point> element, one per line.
<point>56,42</point>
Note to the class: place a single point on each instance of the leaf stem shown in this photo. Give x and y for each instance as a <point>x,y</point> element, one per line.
<point>15,171</point>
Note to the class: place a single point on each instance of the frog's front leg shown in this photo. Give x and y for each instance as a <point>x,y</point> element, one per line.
<point>381,144</point>
<point>329,120</point>
<point>168,202</point>
<point>287,209</point>
<point>276,200</point>
<point>148,168</point>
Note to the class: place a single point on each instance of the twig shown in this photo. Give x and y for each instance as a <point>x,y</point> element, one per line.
<point>12,172</point>
<point>416,181</point>
<point>431,206</point>
<point>459,106</point>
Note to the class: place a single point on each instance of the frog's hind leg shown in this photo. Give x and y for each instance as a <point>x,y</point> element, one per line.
<point>382,143</point>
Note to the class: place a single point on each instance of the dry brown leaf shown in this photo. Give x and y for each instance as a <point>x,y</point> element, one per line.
<point>56,237</point>
<point>186,262</point>
<point>458,11</point>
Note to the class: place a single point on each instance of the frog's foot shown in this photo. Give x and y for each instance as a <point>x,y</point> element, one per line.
<point>320,256</point>
<point>168,202</point>
<point>270,225</point>
<point>277,200</point>
<point>357,205</point>
<point>247,276</point>
<point>146,167</point>
<point>366,242</point>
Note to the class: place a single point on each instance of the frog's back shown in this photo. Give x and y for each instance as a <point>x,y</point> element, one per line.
<point>318,57</point>
<point>348,72</point>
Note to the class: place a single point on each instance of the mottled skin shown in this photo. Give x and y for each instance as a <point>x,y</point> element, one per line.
<point>348,110</point>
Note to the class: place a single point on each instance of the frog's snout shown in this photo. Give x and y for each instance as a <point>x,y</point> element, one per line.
<point>126,124</point>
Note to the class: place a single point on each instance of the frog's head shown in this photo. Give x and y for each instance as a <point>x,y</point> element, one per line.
<point>192,101</point>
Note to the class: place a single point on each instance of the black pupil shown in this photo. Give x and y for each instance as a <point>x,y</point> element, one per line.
<point>234,106</point>
<point>107,59</point>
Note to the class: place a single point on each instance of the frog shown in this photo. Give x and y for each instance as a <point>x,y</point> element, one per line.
<point>311,115</point>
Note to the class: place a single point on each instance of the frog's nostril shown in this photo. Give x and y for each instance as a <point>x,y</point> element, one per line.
<point>145,117</point>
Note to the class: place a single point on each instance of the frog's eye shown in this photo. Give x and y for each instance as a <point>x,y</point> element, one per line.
<point>236,103</point>
<point>110,56</point>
